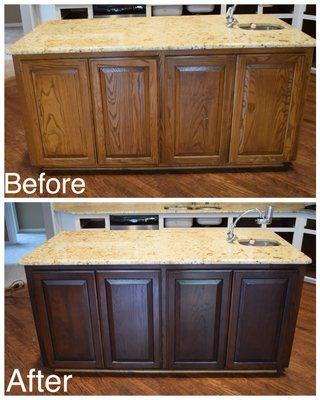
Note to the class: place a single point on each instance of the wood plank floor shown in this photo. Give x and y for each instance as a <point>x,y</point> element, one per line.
<point>21,351</point>
<point>295,181</point>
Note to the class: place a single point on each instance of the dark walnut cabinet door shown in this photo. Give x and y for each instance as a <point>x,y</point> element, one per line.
<point>197,110</point>
<point>59,121</point>
<point>125,97</point>
<point>198,312</point>
<point>263,314</point>
<point>267,108</point>
<point>130,318</point>
<point>66,315</point>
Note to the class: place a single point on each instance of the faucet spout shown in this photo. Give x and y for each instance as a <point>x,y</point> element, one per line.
<point>264,218</point>
<point>230,19</point>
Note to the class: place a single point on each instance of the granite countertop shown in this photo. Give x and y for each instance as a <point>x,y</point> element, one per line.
<point>156,33</point>
<point>167,246</point>
<point>159,208</point>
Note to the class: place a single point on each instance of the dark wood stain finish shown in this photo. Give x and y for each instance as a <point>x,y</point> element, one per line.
<point>198,310</point>
<point>263,315</point>
<point>130,318</point>
<point>171,317</point>
<point>66,316</point>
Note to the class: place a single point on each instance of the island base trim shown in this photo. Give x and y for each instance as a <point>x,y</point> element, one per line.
<point>172,371</point>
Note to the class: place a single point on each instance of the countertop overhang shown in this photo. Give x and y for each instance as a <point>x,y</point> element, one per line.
<point>166,246</point>
<point>156,33</point>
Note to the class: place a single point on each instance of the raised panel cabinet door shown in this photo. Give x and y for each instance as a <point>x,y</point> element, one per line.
<point>125,97</point>
<point>267,108</point>
<point>263,315</point>
<point>66,315</point>
<point>59,121</point>
<point>197,109</point>
<point>198,311</point>
<point>130,318</point>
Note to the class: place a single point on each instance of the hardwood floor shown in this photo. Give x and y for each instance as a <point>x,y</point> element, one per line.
<point>295,181</point>
<point>21,351</point>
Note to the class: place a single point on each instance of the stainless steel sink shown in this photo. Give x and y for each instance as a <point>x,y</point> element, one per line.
<point>259,242</point>
<point>261,27</point>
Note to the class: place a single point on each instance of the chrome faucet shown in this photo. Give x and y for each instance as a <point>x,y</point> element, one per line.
<point>230,19</point>
<point>264,218</point>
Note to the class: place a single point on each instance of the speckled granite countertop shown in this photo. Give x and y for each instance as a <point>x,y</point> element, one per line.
<point>167,246</point>
<point>175,207</point>
<point>156,33</point>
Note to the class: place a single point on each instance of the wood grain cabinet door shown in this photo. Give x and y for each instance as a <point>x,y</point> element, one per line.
<point>262,319</point>
<point>66,315</point>
<point>198,312</point>
<point>126,111</point>
<point>197,109</point>
<point>267,108</point>
<point>58,113</point>
<point>130,317</point>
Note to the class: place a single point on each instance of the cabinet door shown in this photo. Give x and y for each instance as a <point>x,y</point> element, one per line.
<point>263,315</point>
<point>59,121</point>
<point>198,309</point>
<point>126,102</point>
<point>198,107</point>
<point>267,108</point>
<point>130,318</point>
<point>66,315</point>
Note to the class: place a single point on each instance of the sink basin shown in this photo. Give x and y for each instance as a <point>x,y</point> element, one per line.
<point>261,27</point>
<point>258,242</point>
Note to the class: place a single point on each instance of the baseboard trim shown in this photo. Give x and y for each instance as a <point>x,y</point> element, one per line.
<point>163,371</point>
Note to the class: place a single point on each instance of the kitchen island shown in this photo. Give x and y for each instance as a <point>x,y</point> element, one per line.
<point>169,300</point>
<point>162,92</point>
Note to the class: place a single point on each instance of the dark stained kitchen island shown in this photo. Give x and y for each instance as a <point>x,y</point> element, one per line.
<point>168,300</point>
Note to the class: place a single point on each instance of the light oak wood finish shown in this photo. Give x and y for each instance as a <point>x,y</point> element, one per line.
<point>21,351</point>
<point>295,181</point>
<point>167,109</point>
<point>126,111</point>
<point>267,108</point>
<point>58,112</point>
<point>197,110</point>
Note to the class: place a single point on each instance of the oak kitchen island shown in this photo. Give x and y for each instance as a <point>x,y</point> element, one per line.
<point>162,92</point>
<point>168,300</point>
